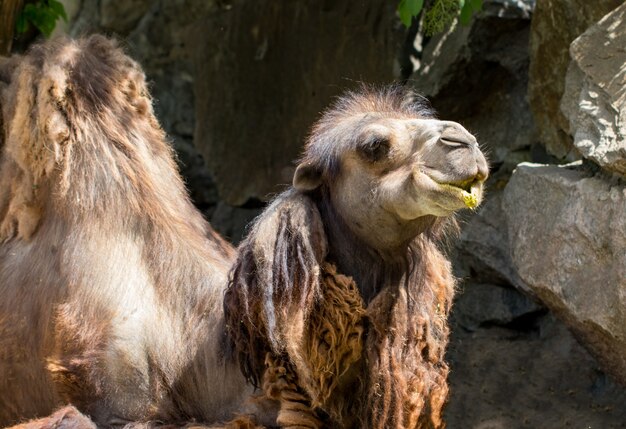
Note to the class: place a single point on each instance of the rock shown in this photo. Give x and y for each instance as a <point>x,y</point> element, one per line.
<point>509,8</point>
<point>595,95</point>
<point>567,233</point>
<point>202,189</point>
<point>484,246</point>
<point>122,16</point>
<point>264,72</point>
<point>555,24</point>
<point>86,21</point>
<point>478,75</point>
<point>232,222</point>
<point>485,305</point>
<point>160,42</point>
<point>531,374</point>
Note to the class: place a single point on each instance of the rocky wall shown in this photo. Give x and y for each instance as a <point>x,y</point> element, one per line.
<point>267,69</point>
<point>555,24</point>
<point>567,226</point>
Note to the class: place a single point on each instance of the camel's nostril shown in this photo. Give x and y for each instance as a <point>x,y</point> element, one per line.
<point>454,141</point>
<point>454,135</point>
<point>483,169</point>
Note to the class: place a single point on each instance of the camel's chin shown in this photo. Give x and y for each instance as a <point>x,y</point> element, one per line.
<point>442,200</point>
<point>446,197</point>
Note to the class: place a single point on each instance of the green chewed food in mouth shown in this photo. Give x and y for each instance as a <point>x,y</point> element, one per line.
<point>471,198</point>
<point>470,192</point>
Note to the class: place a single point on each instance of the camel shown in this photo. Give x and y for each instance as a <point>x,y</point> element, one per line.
<point>116,293</point>
<point>337,306</point>
<point>111,280</point>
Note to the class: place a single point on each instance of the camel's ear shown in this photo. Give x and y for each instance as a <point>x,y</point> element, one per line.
<point>307,177</point>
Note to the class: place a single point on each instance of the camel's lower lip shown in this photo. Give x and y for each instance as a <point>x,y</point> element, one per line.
<point>471,198</point>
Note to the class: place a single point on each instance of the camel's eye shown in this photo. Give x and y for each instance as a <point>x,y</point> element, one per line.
<point>375,148</point>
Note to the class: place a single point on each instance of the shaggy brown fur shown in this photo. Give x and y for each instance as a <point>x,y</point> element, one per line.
<point>65,418</point>
<point>327,358</point>
<point>111,282</point>
<point>406,345</point>
<point>287,304</point>
<point>70,418</point>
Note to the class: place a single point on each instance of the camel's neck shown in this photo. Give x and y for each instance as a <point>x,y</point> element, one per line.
<point>371,269</point>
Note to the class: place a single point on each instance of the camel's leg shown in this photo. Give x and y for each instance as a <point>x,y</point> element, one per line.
<point>241,422</point>
<point>70,418</point>
<point>65,418</point>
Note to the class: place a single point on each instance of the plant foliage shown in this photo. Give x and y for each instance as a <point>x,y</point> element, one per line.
<point>438,14</point>
<point>41,14</point>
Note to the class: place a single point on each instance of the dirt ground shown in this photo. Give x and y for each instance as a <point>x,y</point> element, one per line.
<point>523,369</point>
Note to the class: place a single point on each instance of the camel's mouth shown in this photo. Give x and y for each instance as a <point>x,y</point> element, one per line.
<point>470,191</point>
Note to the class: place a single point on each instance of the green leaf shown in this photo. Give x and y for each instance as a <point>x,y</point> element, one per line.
<point>42,14</point>
<point>405,13</point>
<point>58,9</point>
<point>470,8</point>
<point>466,14</point>
<point>415,6</point>
<point>477,5</point>
<point>407,9</point>
<point>21,25</point>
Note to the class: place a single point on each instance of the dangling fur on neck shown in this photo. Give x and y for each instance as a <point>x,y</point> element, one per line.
<point>284,297</point>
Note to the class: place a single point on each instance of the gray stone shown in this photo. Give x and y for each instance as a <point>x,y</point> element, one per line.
<point>595,92</point>
<point>86,20</point>
<point>232,222</point>
<point>199,182</point>
<point>533,374</point>
<point>478,75</point>
<point>555,24</point>
<point>484,245</point>
<point>485,304</point>
<point>264,72</point>
<point>122,16</point>
<point>567,233</point>
<point>509,8</point>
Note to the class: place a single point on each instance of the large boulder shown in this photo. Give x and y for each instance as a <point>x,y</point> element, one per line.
<point>267,68</point>
<point>478,75</point>
<point>555,24</point>
<point>483,247</point>
<point>567,233</point>
<point>595,94</point>
<point>479,305</point>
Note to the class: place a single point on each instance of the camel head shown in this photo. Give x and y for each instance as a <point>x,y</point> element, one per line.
<point>389,166</point>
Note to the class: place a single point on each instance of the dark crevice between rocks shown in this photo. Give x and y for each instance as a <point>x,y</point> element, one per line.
<point>254,203</point>
<point>527,324</point>
<point>410,52</point>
